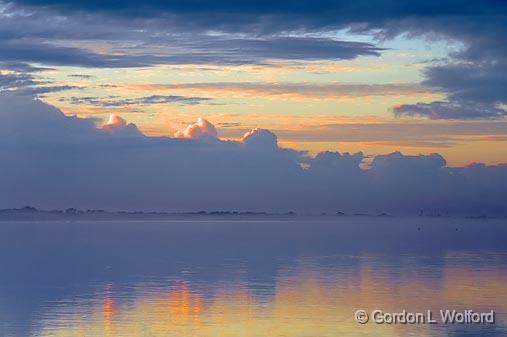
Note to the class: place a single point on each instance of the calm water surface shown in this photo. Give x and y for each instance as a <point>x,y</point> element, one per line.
<point>303,277</point>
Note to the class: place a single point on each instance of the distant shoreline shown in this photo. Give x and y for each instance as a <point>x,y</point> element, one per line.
<point>71,214</point>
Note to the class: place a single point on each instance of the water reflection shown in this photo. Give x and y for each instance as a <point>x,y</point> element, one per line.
<point>108,312</point>
<point>309,298</point>
<point>236,279</point>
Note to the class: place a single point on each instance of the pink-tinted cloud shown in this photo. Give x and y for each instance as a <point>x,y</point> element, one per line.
<point>200,129</point>
<point>117,125</point>
<point>114,122</point>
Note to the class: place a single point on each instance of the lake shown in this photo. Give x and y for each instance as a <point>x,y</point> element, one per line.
<point>305,276</point>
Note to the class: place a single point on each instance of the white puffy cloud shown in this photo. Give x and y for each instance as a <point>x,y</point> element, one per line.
<point>49,160</point>
<point>200,129</point>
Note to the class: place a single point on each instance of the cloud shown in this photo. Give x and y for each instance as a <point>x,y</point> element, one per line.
<point>475,88</point>
<point>81,76</point>
<point>329,163</point>
<point>396,163</point>
<point>115,101</point>
<point>21,78</point>
<point>50,160</point>
<point>27,121</point>
<point>229,124</point>
<point>260,139</point>
<point>44,89</point>
<point>10,80</point>
<point>137,34</point>
<point>291,48</point>
<point>482,81</point>
<point>200,129</point>
<point>22,67</point>
<point>436,133</point>
<point>197,32</point>
<point>194,50</point>
<point>451,110</point>
<point>46,36</point>
<point>114,122</point>
<point>298,90</point>
<point>268,16</point>
<point>51,54</point>
<point>473,77</point>
<point>118,126</point>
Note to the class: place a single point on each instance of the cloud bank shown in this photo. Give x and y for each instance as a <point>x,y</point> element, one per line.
<point>50,160</point>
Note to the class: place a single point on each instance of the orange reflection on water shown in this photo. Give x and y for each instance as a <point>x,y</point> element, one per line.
<point>108,312</point>
<point>304,302</point>
<point>184,307</point>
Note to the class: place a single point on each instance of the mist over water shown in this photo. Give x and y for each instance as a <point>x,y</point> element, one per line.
<point>259,277</point>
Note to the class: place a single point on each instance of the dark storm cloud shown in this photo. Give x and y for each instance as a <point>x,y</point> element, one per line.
<point>50,160</point>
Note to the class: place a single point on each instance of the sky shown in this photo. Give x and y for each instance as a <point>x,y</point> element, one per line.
<point>422,85</point>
